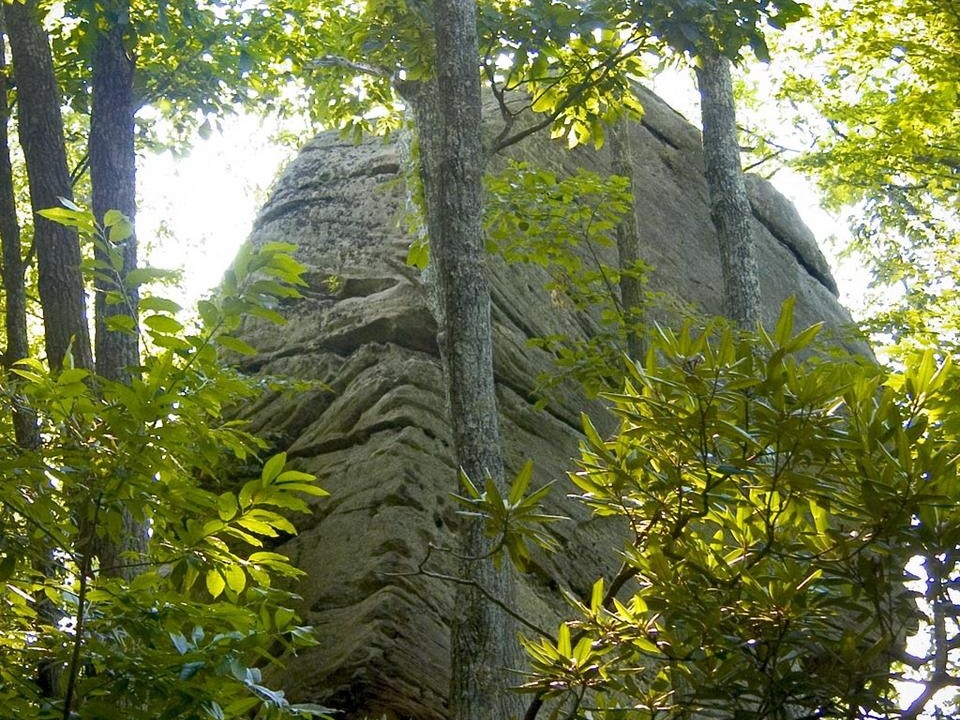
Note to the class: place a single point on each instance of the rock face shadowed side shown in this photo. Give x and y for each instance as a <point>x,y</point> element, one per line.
<point>381,442</point>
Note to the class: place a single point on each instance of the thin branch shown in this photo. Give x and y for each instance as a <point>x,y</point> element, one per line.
<point>593,75</point>
<point>489,596</point>
<point>84,571</point>
<point>498,93</point>
<point>767,141</point>
<point>765,158</point>
<point>80,169</point>
<point>58,542</point>
<point>360,67</point>
<point>27,261</point>
<point>461,581</point>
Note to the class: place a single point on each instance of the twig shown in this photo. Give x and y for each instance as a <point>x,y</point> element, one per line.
<point>461,581</point>
<point>74,667</point>
<point>80,169</point>
<point>604,68</point>
<point>765,158</point>
<point>491,597</point>
<point>360,67</point>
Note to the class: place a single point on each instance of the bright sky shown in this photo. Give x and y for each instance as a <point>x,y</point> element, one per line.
<point>196,211</point>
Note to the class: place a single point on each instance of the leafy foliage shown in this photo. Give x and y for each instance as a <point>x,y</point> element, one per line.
<point>773,503</point>
<point>568,226</point>
<point>196,60</point>
<point>878,90</point>
<point>179,629</point>
<point>513,520</point>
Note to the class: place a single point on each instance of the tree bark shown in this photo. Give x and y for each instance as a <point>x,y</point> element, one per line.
<point>113,175</point>
<point>62,295</point>
<point>15,312</point>
<point>729,202</point>
<point>484,650</point>
<point>25,428</point>
<point>628,242</point>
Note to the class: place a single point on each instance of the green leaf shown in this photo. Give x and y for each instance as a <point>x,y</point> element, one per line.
<point>247,492</point>
<point>257,526</point>
<point>288,476</point>
<point>821,518</point>
<point>283,617</point>
<point>273,467</point>
<point>303,488</point>
<point>804,338</point>
<point>73,375</point>
<point>112,217</point>
<point>236,578</point>
<point>121,323</point>
<point>236,345</point>
<point>784,328</point>
<point>418,255</point>
<point>69,218</point>
<point>215,583</point>
<point>120,231</point>
<point>581,653</point>
<point>590,431</point>
<point>596,596</point>
<point>227,506</point>
<point>163,324</point>
<point>139,276</point>
<point>563,641</point>
<point>521,483</point>
<point>153,303</point>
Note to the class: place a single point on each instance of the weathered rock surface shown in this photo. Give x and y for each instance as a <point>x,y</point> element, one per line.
<point>381,443</point>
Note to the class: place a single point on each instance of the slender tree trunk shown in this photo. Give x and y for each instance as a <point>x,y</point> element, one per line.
<point>448,115</point>
<point>729,202</point>
<point>24,420</point>
<point>628,242</point>
<point>113,176</point>
<point>62,295</point>
<point>25,428</point>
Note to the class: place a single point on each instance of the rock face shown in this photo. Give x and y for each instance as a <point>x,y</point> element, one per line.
<point>380,442</point>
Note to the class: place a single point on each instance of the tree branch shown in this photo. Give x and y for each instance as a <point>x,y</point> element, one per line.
<point>592,76</point>
<point>360,67</point>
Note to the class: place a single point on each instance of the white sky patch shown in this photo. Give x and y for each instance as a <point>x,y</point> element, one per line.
<point>197,210</point>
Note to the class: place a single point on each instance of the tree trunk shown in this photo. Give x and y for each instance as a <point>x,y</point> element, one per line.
<point>62,295</point>
<point>25,428</point>
<point>628,242</point>
<point>484,650</point>
<point>113,176</point>
<point>729,203</point>
<point>24,420</point>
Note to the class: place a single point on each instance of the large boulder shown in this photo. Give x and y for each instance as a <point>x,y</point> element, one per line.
<point>380,441</point>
